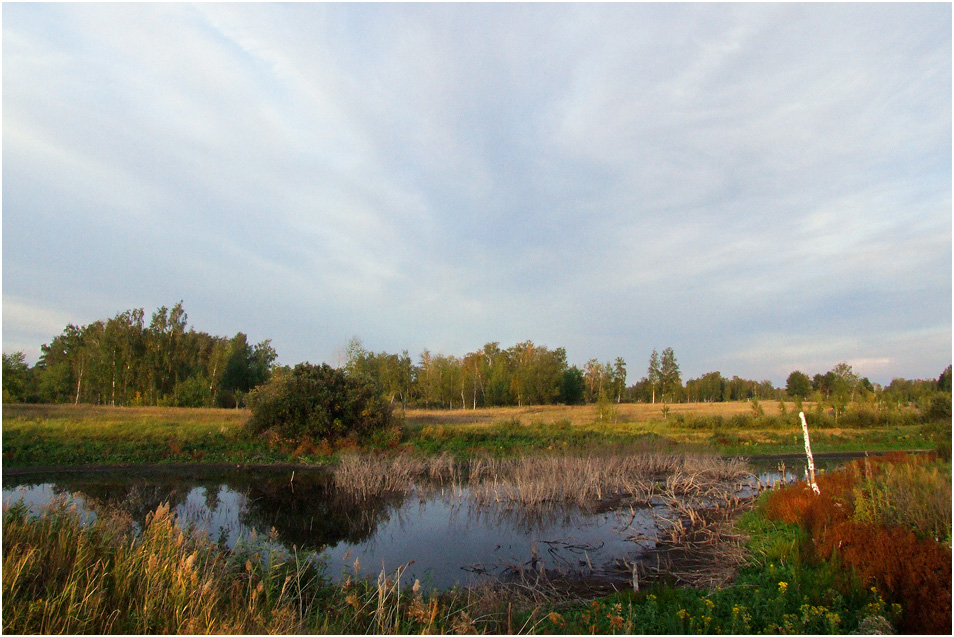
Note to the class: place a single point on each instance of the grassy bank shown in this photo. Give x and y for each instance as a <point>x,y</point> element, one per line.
<point>802,574</point>
<point>37,435</point>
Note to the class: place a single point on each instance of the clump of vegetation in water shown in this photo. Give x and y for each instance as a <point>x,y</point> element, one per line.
<point>318,402</point>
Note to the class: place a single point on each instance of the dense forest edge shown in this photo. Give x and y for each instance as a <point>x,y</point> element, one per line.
<point>123,361</point>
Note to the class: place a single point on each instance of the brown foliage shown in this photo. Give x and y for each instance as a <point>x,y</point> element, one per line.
<point>913,572</point>
<point>797,504</point>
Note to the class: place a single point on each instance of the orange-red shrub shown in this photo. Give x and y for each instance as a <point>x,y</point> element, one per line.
<point>798,504</point>
<point>913,572</point>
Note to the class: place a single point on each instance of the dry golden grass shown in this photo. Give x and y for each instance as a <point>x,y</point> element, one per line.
<point>105,414</point>
<point>585,414</point>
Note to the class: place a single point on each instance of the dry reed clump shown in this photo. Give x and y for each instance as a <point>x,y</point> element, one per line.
<point>365,476</point>
<point>584,480</point>
<point>543,480</point>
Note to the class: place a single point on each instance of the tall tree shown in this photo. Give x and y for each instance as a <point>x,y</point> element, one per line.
<point>574,386</point>
<point>669,376</point>
<point>944,380</point>
<point>654,373</point>
<point>798,385</point>
<point>619,378</point>
<point>16,378</point>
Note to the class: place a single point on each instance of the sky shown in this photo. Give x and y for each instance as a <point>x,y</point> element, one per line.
<point>761,187</point>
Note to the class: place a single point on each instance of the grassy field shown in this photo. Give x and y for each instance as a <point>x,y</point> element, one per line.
<point>85,434</point>
<point>56,435</point>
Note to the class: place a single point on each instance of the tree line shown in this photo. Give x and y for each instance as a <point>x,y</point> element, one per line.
<point>125,361</point>
<point>523,374</point>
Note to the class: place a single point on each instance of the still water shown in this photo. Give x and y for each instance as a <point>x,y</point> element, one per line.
<point>439,533</point>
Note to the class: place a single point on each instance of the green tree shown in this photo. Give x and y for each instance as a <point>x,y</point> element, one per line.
<point>358,359</point>
<point>17,378</point>
<point>246,367</point>
<point>798,385</point>
<point>824,384</point>
<point>619,378</point>
<point>944,380</point>
<point>574,387</point>
<point>63,363</point>
<point>498,375</point>
<point>654,373</point>
<point>669,376</point>
<point>709,388</point>
<point>844,385</point>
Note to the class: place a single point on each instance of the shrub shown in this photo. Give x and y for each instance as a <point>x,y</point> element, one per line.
<point>318,402</point>
<point>939,408</point>
<point>882,518</point>
<point>915,572</point>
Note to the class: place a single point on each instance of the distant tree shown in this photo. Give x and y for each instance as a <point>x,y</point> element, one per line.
<point>844,385</point>
<point>246,368</point>
<point>497,391</point>
<point>358,359</point>
<point>669,373</point>
<point>711,387</point>
<point>594,373</point>
<point>574,386</point>
<point>944,380</point>
<point>824,384</point>
<point>17,378</point>
<point>427,385</point>
<point>654,373</point>
<point>619,378</point>
<point>641,390</point>
<point>798,385</point>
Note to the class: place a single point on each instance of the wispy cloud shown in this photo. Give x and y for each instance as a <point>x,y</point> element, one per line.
<point>758,186</point>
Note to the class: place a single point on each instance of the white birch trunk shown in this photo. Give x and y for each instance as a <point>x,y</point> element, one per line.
<point>808,452</point>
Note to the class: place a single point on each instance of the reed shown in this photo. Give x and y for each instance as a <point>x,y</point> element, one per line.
<point>542,480</point>
<point>65,575</point>
<point>584,481</point>
<point>61,576</point>
<point>365,476</point>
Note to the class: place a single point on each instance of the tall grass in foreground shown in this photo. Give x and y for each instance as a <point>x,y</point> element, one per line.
<point>64,576</point>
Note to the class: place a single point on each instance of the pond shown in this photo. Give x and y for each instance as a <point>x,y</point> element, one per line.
<point>442,535</point>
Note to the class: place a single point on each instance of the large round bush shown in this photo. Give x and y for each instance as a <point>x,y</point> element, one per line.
<point>317,401</point>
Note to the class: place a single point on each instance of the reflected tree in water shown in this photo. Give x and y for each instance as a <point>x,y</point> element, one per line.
<point>310,512</point>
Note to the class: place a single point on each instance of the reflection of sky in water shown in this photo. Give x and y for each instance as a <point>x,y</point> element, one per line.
<point>36,497</point>
<point>448,539</point>
<point>443,532</point>
<point>215,511</point>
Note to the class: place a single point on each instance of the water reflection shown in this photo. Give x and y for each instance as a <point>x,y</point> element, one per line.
<point>438,529</point>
